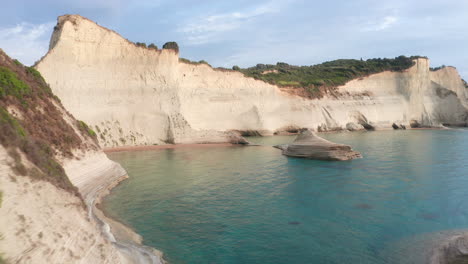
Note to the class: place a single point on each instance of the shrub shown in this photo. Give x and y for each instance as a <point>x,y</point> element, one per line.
<point>152,46</point>
<point>17,62</point>
<point>185,60</point>
<point>83,126</point>
<point>204,62</point>
<point>236,68</point>
<point>11,85</point>
<point>141,44</point>
<point>437,68</point>
<point>171,45</point>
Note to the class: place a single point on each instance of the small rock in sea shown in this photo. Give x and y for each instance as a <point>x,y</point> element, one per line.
<point>309,145</point>
<point>429,216</point>
<point>294,223</point>
<point>363,206</point>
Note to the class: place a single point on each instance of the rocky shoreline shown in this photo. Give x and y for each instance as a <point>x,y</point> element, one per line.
<point>95,175</point>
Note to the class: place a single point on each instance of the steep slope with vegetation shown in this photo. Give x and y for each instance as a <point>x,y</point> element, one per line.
<point>52,172</point>
<point>32,124</point>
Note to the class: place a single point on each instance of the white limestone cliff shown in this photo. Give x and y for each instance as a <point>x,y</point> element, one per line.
<point>137,96</point>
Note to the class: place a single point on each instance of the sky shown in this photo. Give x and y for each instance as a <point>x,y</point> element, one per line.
<point>247,32</point>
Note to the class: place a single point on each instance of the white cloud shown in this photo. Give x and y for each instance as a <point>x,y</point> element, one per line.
<point>204,29</point>
<point>26,42</point>
<point>384,23</point>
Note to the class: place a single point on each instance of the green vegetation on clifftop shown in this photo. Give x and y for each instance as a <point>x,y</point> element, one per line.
<point>184,60</point>
<point>328,74</point>
<point>171,45</point>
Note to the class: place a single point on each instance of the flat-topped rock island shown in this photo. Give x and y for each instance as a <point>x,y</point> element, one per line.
<point>309,145</point>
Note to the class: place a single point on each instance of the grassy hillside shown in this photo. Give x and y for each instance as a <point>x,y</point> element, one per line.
<point>32,125</point>
<point>328,74</point>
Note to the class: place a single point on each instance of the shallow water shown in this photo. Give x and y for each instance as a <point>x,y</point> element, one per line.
<point>253,205</point>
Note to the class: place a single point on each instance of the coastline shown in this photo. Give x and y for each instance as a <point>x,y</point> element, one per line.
<point>168,146</point>
<point>210,145</point>
<point>125,238</point>
<point>95,175</point>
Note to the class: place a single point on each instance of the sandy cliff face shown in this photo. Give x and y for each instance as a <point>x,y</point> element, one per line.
<point>40,223</point>
<point>135,96</point>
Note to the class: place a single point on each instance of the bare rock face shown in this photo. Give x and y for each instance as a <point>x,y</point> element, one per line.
<point>453,250</point>
<point>235,138</point>
<point>309,145</point>
<point>131,95</point>
<point>354,127</point>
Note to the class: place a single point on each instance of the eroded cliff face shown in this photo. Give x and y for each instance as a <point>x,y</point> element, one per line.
<point>136,96</point>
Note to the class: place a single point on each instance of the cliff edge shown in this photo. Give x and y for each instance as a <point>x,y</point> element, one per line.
<point>131,95</point>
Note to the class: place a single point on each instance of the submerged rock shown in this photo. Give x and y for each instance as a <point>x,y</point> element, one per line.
<point>363,206</point>
<point>453,249</point>
<point>235,138</point>
<point>309,145</point>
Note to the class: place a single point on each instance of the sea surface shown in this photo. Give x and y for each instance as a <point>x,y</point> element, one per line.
<point>253,205</point>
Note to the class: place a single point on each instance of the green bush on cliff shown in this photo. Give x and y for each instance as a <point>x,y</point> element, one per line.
<point>141,44</point>
<point>184,60</point>
<point>17,62</point>
<point>11,85</point>
<point>152,46</point>
<point>9,124</point>
<point>171,45</point>
<point>83,126</point>
<point>437,68</point>
<point>328,74</point>
<point>35,73</point>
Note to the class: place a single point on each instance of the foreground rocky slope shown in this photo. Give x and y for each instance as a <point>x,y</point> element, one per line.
<point>52,172</point>
<point>132,95</point>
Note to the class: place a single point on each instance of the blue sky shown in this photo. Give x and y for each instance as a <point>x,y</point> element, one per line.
<point>244,33</point>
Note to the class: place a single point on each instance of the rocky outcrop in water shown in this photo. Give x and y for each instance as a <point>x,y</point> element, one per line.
<point>309,145</point>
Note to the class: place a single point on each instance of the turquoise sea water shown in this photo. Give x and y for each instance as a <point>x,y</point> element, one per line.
<point>253,205</point>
